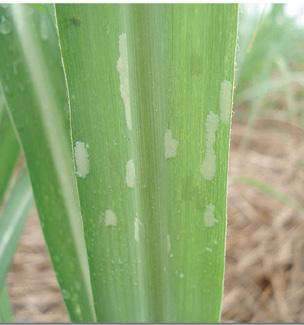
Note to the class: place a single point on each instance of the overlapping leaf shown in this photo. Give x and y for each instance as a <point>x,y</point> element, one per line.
<point>34,88</point>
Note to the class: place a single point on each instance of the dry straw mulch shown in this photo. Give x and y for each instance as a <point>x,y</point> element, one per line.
<point>265,243</point>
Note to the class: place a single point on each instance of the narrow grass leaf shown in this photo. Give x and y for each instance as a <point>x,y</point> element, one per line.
<point>269,190</point>
<point>12,219</point>
<point>263,88</point>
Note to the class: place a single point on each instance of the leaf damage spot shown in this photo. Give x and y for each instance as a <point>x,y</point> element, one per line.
<point>225,101</point>
<point>110,218</point>
<point>130,174</point>
<point>136,229</point>
<point>171,145</point>
<point>81,159</point>
<point>209,217</point>
<point>168,244</point>
<point>123,71</point>
<point>208,167</point>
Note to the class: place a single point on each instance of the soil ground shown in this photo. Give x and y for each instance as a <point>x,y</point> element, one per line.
<point>265,241</point>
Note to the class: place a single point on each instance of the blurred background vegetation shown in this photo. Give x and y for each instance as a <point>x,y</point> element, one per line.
<point>269,74</point>
<point>265,244</point>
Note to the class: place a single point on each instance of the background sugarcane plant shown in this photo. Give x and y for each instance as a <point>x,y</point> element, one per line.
<point>123,114</point>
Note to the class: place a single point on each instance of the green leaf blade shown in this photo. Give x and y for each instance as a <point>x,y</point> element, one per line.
<point>13,217</point>
<point>5,307</point>
<point>40,114</point>
<point>9,149</point>
<point>12,220</point>
<point>151,90</point>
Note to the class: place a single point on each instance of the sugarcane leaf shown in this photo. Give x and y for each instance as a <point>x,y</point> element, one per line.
<point>150,90</point>
<point>34,89</point>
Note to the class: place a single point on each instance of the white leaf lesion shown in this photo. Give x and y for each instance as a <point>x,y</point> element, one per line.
<point>171,145</point>
<point>209,216</point>
<point>225,101</point>
<point>110,218</point>
<point>137,224</point>
<point>81,159</point>
<point>130,174</point>
<point>123,71</point>
<point>208,167</point>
